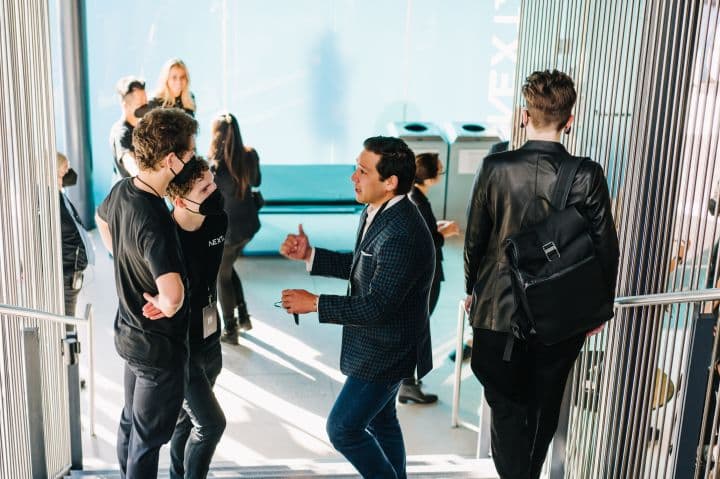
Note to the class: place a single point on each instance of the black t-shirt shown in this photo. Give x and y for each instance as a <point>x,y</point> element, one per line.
<point>202,251</point>
<point>121,143</point>
<point>145,246</point>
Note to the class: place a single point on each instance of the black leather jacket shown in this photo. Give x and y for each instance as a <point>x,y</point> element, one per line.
<point>504,187</point>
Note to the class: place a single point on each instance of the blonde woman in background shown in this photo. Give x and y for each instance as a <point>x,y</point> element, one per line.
<point>173,90</point>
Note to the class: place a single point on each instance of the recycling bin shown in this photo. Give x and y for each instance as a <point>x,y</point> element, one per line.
<point>469,143</point>
<point>426,137</point>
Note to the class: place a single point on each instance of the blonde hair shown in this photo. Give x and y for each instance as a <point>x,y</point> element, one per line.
<point>61,159</point>
<point>164,94</point>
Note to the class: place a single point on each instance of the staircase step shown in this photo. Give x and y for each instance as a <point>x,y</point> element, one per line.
<point>425,467</point>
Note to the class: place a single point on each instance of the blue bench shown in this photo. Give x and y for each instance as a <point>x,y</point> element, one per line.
<point>311,189</point>
<point>321,197</point>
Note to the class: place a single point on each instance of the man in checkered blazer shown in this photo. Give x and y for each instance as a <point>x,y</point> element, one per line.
<point>386,333</point>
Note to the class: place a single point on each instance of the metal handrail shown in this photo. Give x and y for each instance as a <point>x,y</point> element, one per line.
<point>483,447</point>
<point>37,314</point>
<point>87,322</point>
<point>692,296</point>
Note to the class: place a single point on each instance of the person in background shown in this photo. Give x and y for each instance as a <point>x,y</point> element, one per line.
<point>237,170</point>
<point>77,248</point>
<point>132,97</point>
<point>173,90</point>
<point>201,224</point>
<point>428,170</point>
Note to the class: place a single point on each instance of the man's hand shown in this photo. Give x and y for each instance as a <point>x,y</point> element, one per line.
<point>296,246</point>
<point>468,303</point>
<point>448,228</point>
<point>150,309</point>
<point>299,301</point>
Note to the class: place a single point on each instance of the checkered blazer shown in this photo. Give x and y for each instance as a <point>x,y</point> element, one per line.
<point>386,333</point>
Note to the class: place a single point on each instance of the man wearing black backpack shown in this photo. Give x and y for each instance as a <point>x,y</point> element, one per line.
<point>522,368</point>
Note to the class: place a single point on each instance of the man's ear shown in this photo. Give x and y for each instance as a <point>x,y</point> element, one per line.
<point>391,183</point>
<point>570,122</point>
<point>524,118</point>
<point>167,160</point>
<point>178,202</point>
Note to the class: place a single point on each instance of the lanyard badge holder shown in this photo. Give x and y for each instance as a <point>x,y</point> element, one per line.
<point>77,279</point>
<point>210,318</point>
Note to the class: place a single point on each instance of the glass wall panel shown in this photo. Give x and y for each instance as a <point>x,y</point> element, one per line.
<point>308,80</point>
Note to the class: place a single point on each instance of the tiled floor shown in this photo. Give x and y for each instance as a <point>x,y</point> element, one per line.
<point>278,385</point>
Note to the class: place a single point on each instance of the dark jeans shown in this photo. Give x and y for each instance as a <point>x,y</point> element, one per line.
<point>230,291</point>
<point>71,294</point>
<point>201,422</point>
<point>153,398</point>
<point>524,395</point>
<point>363,427</point>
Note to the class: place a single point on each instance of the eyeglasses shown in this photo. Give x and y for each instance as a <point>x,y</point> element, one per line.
<point>278,304</point>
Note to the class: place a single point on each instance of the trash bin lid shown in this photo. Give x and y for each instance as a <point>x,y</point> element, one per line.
<point>416,131</point>
<point>468,131</point>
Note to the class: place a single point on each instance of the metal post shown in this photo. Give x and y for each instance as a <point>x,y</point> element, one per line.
<point>91,341</point>
<point>77,116</point>
<point>33,400</point>
<point>71,349</point>
<point>694,392</point>
<point>483,443</point>
<point>454,422</point>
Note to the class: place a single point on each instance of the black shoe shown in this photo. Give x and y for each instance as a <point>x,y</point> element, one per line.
<point>245,324</point>
<point>229,336</point>
<point>467,352</point>
<point>414,394</point>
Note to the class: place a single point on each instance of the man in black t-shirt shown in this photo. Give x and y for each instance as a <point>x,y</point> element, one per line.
<point>201,225</point>
<point>151,324</point>
<point>132,96</point>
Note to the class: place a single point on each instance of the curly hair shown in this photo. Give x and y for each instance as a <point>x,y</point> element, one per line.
<point>396,158</point>
<point>550,97</point>
<point>161,132</point>
<point>183,183</point>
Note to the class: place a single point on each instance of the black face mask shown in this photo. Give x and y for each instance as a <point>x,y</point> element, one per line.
<point>70,178</point>
<point>213,204</point>
<point>183,163</point>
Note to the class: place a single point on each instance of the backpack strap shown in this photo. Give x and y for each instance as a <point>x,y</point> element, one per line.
<point>565,177</point>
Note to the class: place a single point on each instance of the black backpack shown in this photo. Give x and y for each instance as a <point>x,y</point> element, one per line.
<point>558,280</point>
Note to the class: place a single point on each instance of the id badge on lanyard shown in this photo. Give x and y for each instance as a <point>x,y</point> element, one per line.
<point>210,318</point>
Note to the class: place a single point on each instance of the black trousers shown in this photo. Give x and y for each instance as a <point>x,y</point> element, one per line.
<point>230,290</point>
<point>153,399</point>
<point>524,395</point>
<point>201,422</point>
<point>71,294</point>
